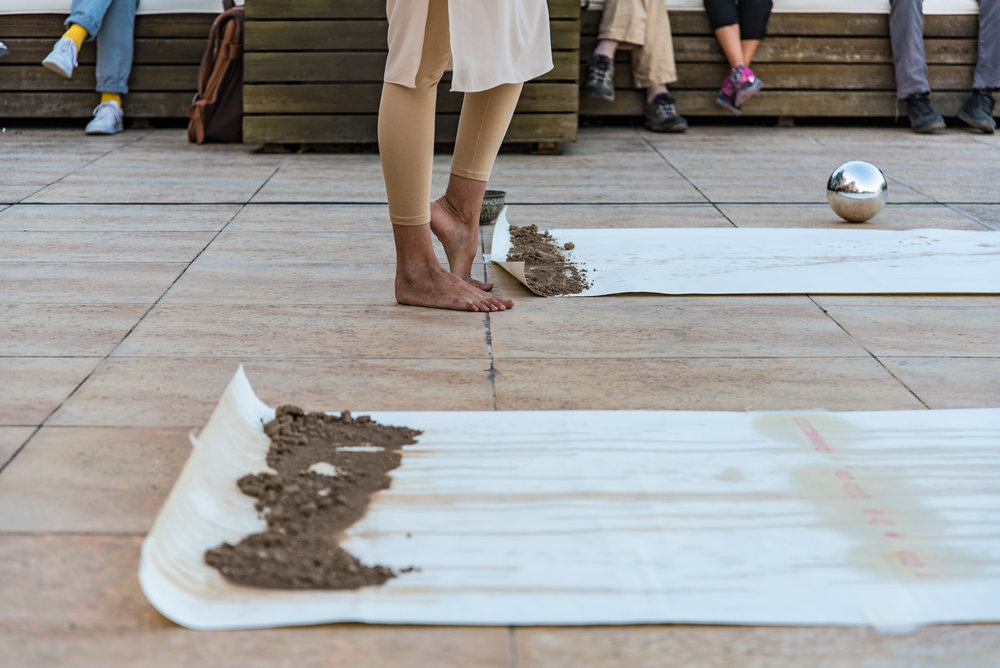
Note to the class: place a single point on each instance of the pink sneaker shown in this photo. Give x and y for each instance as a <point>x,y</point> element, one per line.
<point>726,97</point>
<point>745,86</point>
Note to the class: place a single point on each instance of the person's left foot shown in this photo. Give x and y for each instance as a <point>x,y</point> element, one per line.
<point>661,115</point>
<point>977,112</point>
<point>460,239</point>
<point>107,119</point>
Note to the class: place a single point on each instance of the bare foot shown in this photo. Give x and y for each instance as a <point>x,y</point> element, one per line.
<point>422,284</point>
<point>460,239</point>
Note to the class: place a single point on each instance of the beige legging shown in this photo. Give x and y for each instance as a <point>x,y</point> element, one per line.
<point>406,127</point>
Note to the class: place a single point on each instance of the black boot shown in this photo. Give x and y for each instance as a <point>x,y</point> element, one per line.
<point>923,118</point>
<point>600,83</point>
<point>661,115</point>
<point>977,112</point>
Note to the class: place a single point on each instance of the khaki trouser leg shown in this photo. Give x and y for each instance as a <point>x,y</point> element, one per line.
<point>643,26</point>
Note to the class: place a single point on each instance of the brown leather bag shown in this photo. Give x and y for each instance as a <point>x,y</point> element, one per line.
<point>216,113</point>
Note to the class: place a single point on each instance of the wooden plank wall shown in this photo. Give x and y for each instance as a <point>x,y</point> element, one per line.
<point>811,64</point>
<point>313,74</point>
<point>168,49</point>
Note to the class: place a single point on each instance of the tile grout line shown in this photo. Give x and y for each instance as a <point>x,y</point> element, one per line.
<point>708,200</point>
<point>491,373</point>
<point>86,164</point>
<point>870,353</point>
<point>104,359</point>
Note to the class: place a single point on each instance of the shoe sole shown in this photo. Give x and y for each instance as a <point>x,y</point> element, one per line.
<point>102,132</point>
<point>53,67</point>
<point>597,95</point>
<point>931,129</point>
<point>983,127</point>
<point>728,107</point>
<point>672,128</point>
<point>744,95</point>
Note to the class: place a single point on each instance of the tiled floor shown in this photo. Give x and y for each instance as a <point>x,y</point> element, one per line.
<point>138,271</point>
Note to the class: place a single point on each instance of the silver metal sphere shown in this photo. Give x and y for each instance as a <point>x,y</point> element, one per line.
<point>856,191</point>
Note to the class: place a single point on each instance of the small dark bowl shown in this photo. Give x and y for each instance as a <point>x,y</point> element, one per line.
<point>493,203</point>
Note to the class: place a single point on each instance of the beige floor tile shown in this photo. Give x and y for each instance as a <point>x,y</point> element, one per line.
<point>950,382</point>
<point>892,217</point>
<point>10,194</point>
<point>19,246</point>
<point>65,330</point>
<point>86,282</point>
<point>74,601</point>
<point>279,331</point>
<point>966,329</point>
<point>116,218</point>
<point>698,384</point>
<point>954,646</point>
<point>11,439</point>
<point>986,214</point>
<point>326,178</point>
<point>305,246</point>
<point>673,327</point>
<point>628,193</point>
<point>33,387</point>
<point>247,282</point>
<point>287,218</point>
<point>616,216</point>
<point>182,392</point>
<point>790,190</point>
<point>91,479</point>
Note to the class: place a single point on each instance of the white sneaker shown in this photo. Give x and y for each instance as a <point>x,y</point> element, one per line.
<point>107,119</point>
<point>3,50</point>
<point>62,59</point>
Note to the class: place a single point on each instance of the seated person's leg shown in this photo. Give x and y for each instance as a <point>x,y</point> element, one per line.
<point>115,42</point>
<point>621,21</point>
<point>653,67</point>
<point>906,31</point>
<point>977,112</point>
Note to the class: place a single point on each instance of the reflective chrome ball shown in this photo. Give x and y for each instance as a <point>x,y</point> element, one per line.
<point>856,191</point>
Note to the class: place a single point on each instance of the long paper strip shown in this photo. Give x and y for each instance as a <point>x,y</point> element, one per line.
<point>888,518</point>
<point>773,260</point>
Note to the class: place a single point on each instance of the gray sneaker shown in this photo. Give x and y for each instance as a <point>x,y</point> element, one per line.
<point>62,58</point>
<point>600,83</point>
<point>977,112</point>
<point>923,119</point>
<point>107,119</point>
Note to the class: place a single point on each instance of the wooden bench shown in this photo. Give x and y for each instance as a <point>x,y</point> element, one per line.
<point>313,74</point>
<point>168,49</point>
<point>812,65</point>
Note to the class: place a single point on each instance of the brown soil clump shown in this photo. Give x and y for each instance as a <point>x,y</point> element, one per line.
<point>546,269</point>
<point>327,469</point>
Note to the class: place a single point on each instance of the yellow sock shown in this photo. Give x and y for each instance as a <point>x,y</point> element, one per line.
<point>112,96</point>
<point>77,33</point>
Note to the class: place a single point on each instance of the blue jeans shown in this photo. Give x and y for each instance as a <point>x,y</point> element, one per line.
<point>112,24</point>
<point>906,27</point>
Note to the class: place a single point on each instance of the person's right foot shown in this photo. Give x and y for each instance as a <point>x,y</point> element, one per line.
<point>62,58</point>
<point>661,115</point>
<point>977,112</point>
<point>726,97</point>
<point>433,286</point>
<point>600,82</point>
<point>460,239</point>
<point>923,118</point>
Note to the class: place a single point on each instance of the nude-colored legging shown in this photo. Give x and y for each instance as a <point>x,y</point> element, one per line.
<point>406,127</point>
